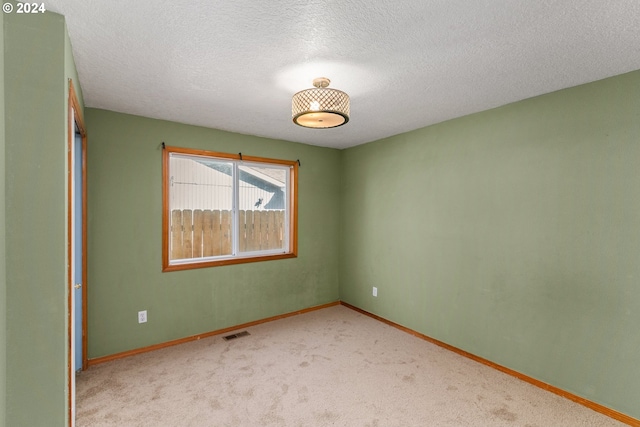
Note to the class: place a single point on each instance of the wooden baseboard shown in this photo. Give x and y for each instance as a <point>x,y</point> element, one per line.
<point>589,404</point>
<point>147,349</point>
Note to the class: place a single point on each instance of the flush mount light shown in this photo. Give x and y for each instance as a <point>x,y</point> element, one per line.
<point>321,107</point>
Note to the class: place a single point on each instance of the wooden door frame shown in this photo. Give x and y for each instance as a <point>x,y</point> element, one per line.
<point>75,114</point>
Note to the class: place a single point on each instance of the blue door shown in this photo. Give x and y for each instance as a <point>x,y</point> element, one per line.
<point>77,251</point>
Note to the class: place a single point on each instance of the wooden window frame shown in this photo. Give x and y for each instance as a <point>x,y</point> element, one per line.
<point>233,259</point>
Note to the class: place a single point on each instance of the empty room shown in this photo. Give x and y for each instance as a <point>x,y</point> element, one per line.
<point>352,213</point>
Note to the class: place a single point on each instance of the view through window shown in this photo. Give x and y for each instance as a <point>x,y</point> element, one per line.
<point>223,208</point>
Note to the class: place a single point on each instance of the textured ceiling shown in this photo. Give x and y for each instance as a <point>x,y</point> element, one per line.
<point>234,65</point>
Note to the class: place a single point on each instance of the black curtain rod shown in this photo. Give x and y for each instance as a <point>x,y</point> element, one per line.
<point>239,154</point>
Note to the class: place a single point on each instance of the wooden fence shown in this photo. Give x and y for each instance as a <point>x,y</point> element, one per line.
<point>205,233</point>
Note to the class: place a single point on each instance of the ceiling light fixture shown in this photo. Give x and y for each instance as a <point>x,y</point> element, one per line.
<point>320,107</point>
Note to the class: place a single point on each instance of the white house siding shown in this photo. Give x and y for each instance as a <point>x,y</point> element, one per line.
<point>192,186</point>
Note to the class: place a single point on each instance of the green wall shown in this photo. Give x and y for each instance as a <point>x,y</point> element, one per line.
<point>512,234</point>
<point>3,271</point>
<point>71,73</point>
<point>124,230</point>
<point>35,217</point>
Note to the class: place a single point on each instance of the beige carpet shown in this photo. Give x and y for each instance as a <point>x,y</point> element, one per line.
<point>331,367</point>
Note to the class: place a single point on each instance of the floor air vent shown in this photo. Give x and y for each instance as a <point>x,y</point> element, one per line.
<point>236,335</point>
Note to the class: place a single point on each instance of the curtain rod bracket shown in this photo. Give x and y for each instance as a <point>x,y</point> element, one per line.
<point>240,154</point>
<point>163,146</point>
<point>299,163</point>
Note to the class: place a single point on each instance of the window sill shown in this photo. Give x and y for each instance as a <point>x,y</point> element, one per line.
<point>228,261</point>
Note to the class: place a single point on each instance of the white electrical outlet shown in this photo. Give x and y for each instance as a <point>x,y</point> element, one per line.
<point>375,291</point>
<point>142,316</point>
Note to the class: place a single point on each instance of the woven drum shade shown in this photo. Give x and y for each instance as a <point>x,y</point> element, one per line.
<point>320,107</point>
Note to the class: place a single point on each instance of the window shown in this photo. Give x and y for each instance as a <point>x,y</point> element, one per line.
<point>221,209</point>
